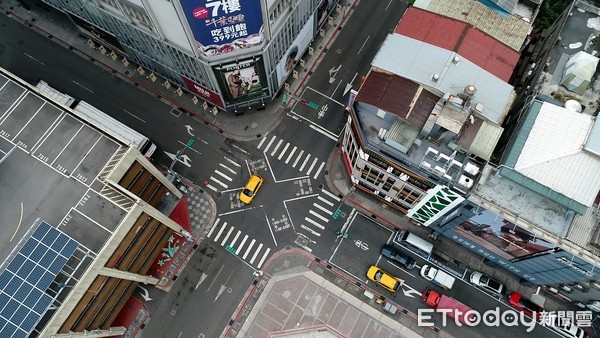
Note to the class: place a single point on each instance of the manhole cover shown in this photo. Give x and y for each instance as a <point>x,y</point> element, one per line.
<point>339,51</point>
<point>338,175</point>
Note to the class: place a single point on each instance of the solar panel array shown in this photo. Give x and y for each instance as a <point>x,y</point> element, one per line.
<point>23,284</point>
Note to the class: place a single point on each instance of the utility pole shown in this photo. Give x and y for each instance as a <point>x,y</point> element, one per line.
<point>172,175</point>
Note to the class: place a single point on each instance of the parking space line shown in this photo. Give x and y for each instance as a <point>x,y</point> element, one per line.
<point>319,170</point>
<point>213,227</point>
<point>331,195</point>
<point>312,166</point>
<point>304,163</point>
<point>298,158</point>
<point>322,208</point>
<point>262,260</point>
<point>220,231</point>
<point>235,238</point>
<point>325,201</point>
<point>276,147</point>
<point>314,223</point>
<point>256,253</point>
<point>283,151</point>
<point>290,155</point>
<point>269,144</point>
<point>227,168</point>
<point>237,252</point>
<point>249,248</point>
<point>219,182</point>
<point>227,236</point>
<point>224,176</point>
<point>324,219</point>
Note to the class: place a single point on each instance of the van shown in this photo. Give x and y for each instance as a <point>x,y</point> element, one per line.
<point>411,241</point>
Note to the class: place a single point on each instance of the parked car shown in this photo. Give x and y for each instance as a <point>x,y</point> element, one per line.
<point>485,282</point>
<point>251,188</point>
<point>566,330</point>
<point>398,256</point>
<point>524,305</point>
<point>387,281</point>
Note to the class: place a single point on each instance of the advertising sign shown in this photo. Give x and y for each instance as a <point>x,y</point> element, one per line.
<point>242,81</point>
<point>203,92</point>
<point>297,48</point>
<point>223,26</point>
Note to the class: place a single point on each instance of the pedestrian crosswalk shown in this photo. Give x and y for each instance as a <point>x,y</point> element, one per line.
<point>254,252</point>
<point>303,161</point>
<point>223,175</point>
<point>320,213</point>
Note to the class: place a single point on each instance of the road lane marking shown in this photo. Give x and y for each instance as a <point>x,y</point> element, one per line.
<point>263,258</point>
<point>304,163</point>
<point>256,253</point>
<point>227,168</point>
<point>322,131</point>
<point>318,206</point>
<point>132,114</point>
<point>227,236</point>
<point>325,201</point>
<point>283,151</point>
<point>249,248</point>
<point>220,232</point>
<point>310,230</point>
<point>298,158</point>
<point>324,219</point>
<point>261,142</point>
<point>314,223</point>
<point>319,170</point>
<point>237,252</point>
<point>235,238</point>
<point>331,195</point>
<point>219,182</point>
<point>269,144</point>
<point>211,187</point>
<point>213,227</point>
<point>312,166</point>
<point>290,155</point>
<point>363,45</point>
<point>232,161</point>
<point>276,147</point>
<point>224,176</point>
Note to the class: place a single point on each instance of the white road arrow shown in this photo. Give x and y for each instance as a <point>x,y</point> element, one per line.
<point>410,291</point>
<point>332,73</point>
<point>189,129</point>
<point>349,85</point>
<point>145,294</point>
<point>183,158</point>
<point>223,287</point>
<point>202,278</point>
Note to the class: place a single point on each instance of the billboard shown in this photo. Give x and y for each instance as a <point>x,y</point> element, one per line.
<point>223,26</point>
<point>296,49</point>
<point>203,92</point>
<point>242,81</point>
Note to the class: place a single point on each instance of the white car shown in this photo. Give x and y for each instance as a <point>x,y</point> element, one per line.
<point>566,330</point>
<point>485,282</point>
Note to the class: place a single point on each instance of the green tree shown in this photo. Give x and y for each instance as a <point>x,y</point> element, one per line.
<point>550,11</point>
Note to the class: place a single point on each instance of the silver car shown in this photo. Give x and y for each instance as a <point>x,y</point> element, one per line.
<point>485,282</point>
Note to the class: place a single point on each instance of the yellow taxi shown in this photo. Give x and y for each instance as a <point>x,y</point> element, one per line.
<point>251,188</point>
<point>387,281</point>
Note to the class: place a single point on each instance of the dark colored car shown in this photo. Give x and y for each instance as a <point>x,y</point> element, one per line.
<point>393,254</point>
<point>524,305</point>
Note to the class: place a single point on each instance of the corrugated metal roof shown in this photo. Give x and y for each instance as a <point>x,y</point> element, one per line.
<point>512,31</point>
<point>419,61</point>
<point>460,37</point>
<point>593,142</point>
<point>485,140</point>
<point>553,155</point>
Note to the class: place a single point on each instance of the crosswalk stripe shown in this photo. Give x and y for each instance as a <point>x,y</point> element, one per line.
<point>261,142</point>
<point>235,238</point>
<point>227,236</point>
<point>224,176</point>
<point>322,208</point>
<point>298,158</point>
<point>249,248</point>
<point>319,170</point>
<point>262,260</point>
<point>256,253</point>
<point>269,144</point>
<point>325,201</point>
<point>314,223</point>
<point>227,168</point>
<point>283,151</point>
<point>304,163</point>
<point>211,187</point>
<point>232,161</point>
<point>220,231</point>
<point>325,219</point>
<point>219,182</point>
<point>331,195</point>
<point>276,147</point>
<point>312,166</point>
<point>213,227</point>
<point>291,154</point>
<point>310,230</point>
<point>237,252</point>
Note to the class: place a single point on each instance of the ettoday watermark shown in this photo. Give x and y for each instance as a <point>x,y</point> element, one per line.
<point>497,318</point>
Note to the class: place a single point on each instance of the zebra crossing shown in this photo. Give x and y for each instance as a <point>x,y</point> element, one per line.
<point>302,159</point>
<point>251,254</point>
<point>223,175</point>
<point>320,213</point>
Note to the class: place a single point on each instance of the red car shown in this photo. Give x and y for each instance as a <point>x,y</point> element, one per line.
<point>524,305</point>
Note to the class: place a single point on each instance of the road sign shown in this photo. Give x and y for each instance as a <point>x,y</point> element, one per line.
<point>313,105</point>
<point>190,143</point>
<point>230,249</point>
<point>337,213</point>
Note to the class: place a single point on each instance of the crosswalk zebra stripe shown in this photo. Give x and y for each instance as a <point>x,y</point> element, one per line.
<point>262,260</point>
<point>276,147</point>
<point>312,166</point>
<point>283,151</point>
<point>320,198</point>
<point>235,238</point>
<point>256,253</point>
<point>298,158</point>
<point>304,163</point>
<point>324,219</point>
<point>322,208</point>
<point>224,176</point>
<point>319,170</point>
<point>220,231</point>
<point>291,154</point>
<point>232,161</point>
<point>237,252</point>
<point>261,142</point>
<point>211,187</point>
<point>213,227</point>
<point>310,230</point>
<point>314,223</point>
<point>269,144</point>
<point>227,236</point>
<point>249,248</point>
<point>219,182</point>
<point>227,168</point>
<point>331,195</point>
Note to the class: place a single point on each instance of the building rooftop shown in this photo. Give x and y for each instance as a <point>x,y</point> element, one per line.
<point>511,30</point>
<point>443,71</point>
<point>460,37</point>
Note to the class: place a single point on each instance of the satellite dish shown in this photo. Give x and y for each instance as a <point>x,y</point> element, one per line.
<point>573,106</point>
